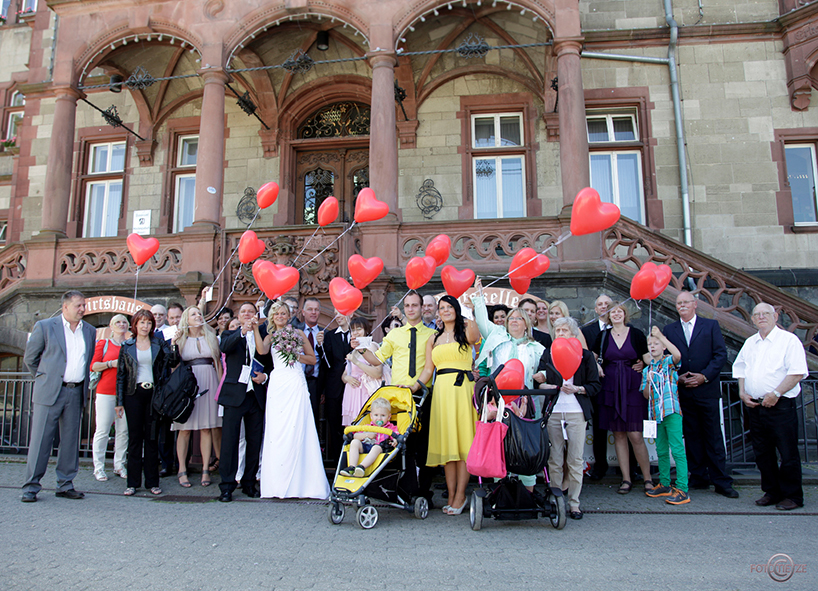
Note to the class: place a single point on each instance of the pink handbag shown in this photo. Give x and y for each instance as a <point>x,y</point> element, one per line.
<point>487,457</point>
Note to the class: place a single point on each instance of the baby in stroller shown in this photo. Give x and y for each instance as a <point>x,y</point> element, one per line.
<point>371,444</point>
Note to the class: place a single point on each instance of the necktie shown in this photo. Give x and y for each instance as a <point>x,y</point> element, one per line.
<point>686,327</point>
<point>310,368</point>
<point>413,350</point>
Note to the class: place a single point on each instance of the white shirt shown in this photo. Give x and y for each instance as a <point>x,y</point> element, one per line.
<point>250,337</point>
<point>567,402</point>
<point>764,363</point>
<point>74,353</point>
<point>602,325</point>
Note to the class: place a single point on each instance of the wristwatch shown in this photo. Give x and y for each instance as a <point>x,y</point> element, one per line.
<point>777,393</point>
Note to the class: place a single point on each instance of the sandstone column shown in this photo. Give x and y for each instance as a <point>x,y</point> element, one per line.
<point>210,160</point>
<point>57,194</point>
<point>383,141</point>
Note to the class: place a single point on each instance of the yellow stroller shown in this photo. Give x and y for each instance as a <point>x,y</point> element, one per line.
<point>384,479</point>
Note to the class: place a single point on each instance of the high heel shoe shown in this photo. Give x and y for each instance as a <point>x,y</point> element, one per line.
<point>205,474</point>
<point>185,484</point>
<point>458,510</point>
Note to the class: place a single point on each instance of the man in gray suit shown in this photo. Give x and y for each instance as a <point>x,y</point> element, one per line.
<point>58,354</point>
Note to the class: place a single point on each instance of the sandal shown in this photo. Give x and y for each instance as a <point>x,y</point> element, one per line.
<point>457,510</point>
<point>205,473</point>
<point>156,490</point>
<point>186,483</point>
<point>649,486</point>
<point>625,487</point>
<point>130,491</point>
<point>214,466</point>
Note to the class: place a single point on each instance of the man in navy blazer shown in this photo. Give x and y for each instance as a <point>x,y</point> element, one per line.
<point>703,355</point>
<point>58,354</point>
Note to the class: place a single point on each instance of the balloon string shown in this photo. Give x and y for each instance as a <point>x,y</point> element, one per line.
<point>306,243</point>
<point>136,283</point>
<point>232,254</point>
<point>559,241</point>
<point>650,315</point>
<point>327,247</point>
<point>233,289</point>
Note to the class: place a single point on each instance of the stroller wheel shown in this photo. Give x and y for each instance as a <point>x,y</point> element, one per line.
<point>367,517</point>
<point>421,508</point>
<point>476,512</point>
<point>559,515</point>
<point>336,513</point>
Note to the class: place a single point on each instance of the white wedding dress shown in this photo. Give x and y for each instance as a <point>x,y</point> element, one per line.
<point>291,464</point>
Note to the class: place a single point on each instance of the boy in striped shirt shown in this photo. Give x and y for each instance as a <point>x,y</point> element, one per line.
<point>659,387</point>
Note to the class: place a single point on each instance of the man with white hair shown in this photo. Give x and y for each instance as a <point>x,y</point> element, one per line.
<point>769,368</point>
<point>160,313</point>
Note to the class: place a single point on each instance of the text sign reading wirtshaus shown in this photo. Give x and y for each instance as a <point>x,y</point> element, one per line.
<point>114,305</point>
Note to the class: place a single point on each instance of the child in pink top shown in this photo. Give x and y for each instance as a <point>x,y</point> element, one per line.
<point>372,444</point>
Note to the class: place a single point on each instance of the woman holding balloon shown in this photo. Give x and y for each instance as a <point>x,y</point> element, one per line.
<point>622,351</point>
<point>570,416</point>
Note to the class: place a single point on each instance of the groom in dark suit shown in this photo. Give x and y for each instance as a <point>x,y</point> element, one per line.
<point>58,354</point>
<point>703,355</point>
<point>243,397</point>
<point>333,363</point>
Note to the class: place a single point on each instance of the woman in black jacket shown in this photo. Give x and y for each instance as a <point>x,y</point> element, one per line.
<point>569,419</point>
<point>144,362</point>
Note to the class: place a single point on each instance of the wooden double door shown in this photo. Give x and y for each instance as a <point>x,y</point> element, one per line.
<point>338,172</point>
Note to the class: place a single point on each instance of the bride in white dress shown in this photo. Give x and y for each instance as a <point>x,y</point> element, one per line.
<point>291,463</point>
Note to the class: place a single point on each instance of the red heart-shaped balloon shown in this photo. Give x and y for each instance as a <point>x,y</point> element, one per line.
<point>525,264</point>
<point>368,208</point>
<point>267,194</point>
<point>328,212</point>
<point>567,356</point>
<point>512,376</point>
<point>589,214</point>
<point>520,285</point>
<point>142,249</point>
<point>419,271</point>
<point>663,277</point>
<point>250,247</point>
<point>345,298</point>
<point>439,249</point>
<point>456,282</point>
<point>364,271</point>
<point>650,281</point>
<point>274,280</point>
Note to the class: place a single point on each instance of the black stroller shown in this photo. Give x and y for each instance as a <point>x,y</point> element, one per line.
<point>508,499</point>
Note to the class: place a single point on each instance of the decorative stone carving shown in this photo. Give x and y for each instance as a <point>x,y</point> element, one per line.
<point>144,150</point>
<point>213,8</point>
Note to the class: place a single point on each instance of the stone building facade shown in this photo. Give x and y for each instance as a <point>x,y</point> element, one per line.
<point>480,119</point>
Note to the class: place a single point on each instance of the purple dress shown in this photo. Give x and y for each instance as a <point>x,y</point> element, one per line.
<point>621,405</point>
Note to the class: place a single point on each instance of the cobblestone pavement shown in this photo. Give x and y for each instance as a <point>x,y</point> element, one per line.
<point>185,540</point>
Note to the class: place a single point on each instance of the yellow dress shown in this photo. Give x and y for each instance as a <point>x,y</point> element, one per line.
<point>452,415</point>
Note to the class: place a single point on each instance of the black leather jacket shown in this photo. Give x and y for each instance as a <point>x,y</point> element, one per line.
<point>163,360</point>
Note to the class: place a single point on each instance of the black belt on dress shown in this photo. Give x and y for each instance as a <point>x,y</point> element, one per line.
<point>199,361</point>
<point>461,373</point>
<point>73,384</point>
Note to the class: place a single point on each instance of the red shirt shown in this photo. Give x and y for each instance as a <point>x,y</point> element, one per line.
<point>107,383</point>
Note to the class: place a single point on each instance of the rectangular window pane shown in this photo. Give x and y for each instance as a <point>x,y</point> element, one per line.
<point>513,198</point>
<point>99,158</point>
<point>117,157</point>
<point>602,176</point>
<point>188,151</point>
<point>801,176</point>
<point>630,196</point>
<point>484,132</point>
<point>510,131</point>
<point>185,202</point>
<point>597,130</point>
<point>111,220</point>
<point>14,122</point>
<point>623,129</point>
<point>485,188</point>
<point>95,210</point>
<point>3,227</point>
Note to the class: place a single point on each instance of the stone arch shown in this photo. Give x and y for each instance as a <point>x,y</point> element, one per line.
<point>259,21</point>
<point>544,11</point>
<point>311,97</point>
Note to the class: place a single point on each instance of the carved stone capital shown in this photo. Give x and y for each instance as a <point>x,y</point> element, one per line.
<point>144,149</point>
<point>269,142</point>
<point>408,133</point>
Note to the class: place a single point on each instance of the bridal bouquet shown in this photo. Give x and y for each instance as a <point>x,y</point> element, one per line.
<point>288,344</point>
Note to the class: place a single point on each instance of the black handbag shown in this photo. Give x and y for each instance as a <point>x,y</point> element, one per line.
<point>526,444</point>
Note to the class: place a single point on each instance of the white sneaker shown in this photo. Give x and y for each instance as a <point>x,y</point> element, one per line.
<point>122,472</point>
<point>100,475</point>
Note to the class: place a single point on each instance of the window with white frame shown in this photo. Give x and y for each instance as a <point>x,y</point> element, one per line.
<point>801,175</point>
<point>14,114</point>
<point>498,165</point>
<point>4,225</point>
<point>616,161</point>
<point>103,189</point>
<point>27,6</point>
<point>184,188</point>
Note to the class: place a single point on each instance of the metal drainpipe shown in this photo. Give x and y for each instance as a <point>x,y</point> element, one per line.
<point>670,61</point>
